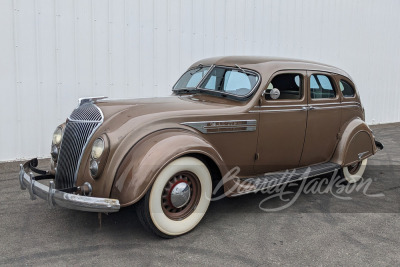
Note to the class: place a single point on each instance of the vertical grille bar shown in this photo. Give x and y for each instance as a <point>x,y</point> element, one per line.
<point>82,123</point>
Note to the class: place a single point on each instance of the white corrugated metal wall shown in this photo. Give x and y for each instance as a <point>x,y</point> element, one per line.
<point>54,51</point>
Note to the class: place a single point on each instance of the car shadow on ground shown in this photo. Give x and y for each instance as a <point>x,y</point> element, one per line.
<point>378,196</point>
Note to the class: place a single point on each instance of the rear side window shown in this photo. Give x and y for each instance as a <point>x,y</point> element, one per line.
<point>321,87</point>
<point>347,89</point>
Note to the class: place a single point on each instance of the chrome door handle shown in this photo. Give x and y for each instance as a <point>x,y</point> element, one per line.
<point>304,108</point>
<point>311,108</point>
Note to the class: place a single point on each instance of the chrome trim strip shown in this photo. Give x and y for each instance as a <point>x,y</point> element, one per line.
<point>31,185</point>
<point>280,106</point>
<point>351,102</point>
<point>58,198</point>
<point>350,106</point>
<point>71,120</point>
<point>320,104</point>
<point>347,106</point>
<point>277,110</point>
<point>315,108</point>
<point>323,104</point>
<point>50,196</point>
<point>303,108</point>
<point>227,126</point>
<point>360,155</point>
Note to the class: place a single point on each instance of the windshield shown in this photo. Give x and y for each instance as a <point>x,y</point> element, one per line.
<point>191,78</point>
<point>231,81</point>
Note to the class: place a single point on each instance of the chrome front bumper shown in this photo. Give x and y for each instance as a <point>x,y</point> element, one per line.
<point>58,198</point>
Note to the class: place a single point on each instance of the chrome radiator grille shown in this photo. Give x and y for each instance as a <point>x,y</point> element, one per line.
<point>81,124</point>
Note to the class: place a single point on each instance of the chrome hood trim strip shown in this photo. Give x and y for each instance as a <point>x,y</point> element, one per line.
<point>229,126</point>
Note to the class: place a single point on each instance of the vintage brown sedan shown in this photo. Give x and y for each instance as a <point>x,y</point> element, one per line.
<point>259,116</point>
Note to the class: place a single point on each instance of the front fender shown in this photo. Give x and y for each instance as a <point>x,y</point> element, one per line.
<point>356,143</point>
<point>146,159</point>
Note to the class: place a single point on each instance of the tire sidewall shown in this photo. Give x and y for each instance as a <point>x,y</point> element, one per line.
<point>354,178</point>
<point>160,220</point>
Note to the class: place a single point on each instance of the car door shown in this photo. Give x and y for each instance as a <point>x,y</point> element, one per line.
<point>323,120</point>
<point>282,123</point>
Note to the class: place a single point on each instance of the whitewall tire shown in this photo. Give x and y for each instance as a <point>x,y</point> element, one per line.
<point>178,198</point>
<point>354,173</point>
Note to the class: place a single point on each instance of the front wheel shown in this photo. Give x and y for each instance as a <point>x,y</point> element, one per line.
<point>353,173</point>
<point>178,199</point>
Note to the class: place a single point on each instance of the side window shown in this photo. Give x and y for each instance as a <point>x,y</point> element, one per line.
<point>237,83</point>
<point>347,89</point>
<point>321,87</point>
<point>290,86</point>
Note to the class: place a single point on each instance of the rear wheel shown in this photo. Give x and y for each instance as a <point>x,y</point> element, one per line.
<point>178,199</point>
<point>354,172</point>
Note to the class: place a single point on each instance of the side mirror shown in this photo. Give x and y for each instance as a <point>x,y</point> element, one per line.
<point>274,93</point>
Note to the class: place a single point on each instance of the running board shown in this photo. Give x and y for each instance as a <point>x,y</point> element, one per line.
<point>269,180</point>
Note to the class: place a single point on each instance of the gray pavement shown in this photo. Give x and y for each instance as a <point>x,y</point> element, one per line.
<point>317,229</point>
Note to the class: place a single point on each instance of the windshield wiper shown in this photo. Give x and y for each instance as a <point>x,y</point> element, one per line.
<point>242,70</point>
<point>195,69</point>
<point>185,90</point>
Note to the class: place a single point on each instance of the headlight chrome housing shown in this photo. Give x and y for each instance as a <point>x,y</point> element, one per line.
<point>57,136</point>
<point>56,144</point>
<point>97,148</point>
<point>54,152</point>
<point>94,168</point>
<point>98,156</point>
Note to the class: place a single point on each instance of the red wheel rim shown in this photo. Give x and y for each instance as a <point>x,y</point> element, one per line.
<point>168,208</point>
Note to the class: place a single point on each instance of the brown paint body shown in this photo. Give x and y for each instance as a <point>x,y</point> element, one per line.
<point>144,135</point>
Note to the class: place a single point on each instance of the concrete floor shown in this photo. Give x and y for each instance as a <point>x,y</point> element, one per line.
<point>318,229</point>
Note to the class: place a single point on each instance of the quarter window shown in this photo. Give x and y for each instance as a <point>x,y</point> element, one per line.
<point>289,85</point>
<point>321,87</point>
<point>347,89</point>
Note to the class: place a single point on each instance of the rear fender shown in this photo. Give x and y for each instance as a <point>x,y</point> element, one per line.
<point>356,143</point>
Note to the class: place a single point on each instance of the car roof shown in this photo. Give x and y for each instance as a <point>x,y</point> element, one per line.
<point>261,63</point>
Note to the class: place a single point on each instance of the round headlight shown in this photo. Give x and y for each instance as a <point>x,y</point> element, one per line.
<point>94,168</point>
<point>54,152</point>
<point>97,148</point>
<point>57,136</point>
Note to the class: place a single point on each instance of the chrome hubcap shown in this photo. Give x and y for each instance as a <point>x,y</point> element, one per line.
<point>180,195</point>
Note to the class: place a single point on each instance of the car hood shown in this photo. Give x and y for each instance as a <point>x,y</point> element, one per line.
<point>163,107</point>
<point>124,116</point>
